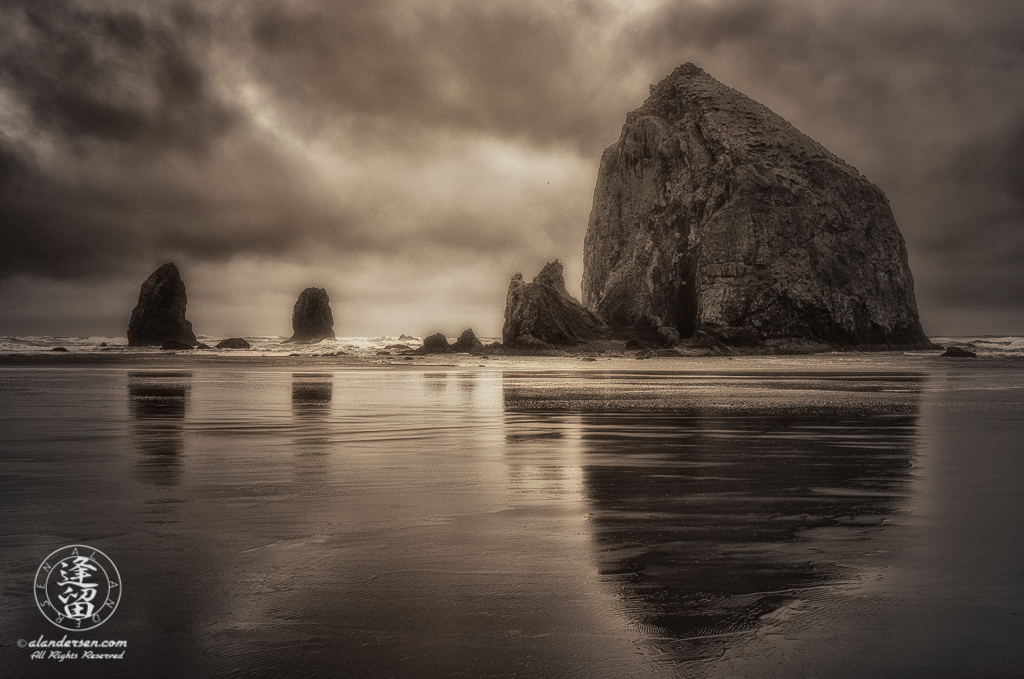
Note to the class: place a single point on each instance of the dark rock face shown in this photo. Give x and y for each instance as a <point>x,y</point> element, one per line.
<point>467,342</point>
<point>435,344</point>
<point>712,213</point>
<point>160,314</point>
<point>543,312</point>
<point>312,319</point>
<point>668,336</point>
<point>233,343</point>
<point>175,345</point>
<point>958,352</point>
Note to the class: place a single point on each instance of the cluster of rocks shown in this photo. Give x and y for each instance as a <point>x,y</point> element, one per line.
<point>229,343</point>
<point>717,226</point>
<point>467,343</point>
<point>159,317</point>
<point>159,320</point>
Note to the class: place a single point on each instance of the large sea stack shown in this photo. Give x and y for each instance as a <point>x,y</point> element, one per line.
<point>159,317</point>
<point>543,312</point>
<point>312,319</point>
<point>713,214</point>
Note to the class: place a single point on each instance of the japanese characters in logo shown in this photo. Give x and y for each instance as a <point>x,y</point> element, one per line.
<point>77,588</point>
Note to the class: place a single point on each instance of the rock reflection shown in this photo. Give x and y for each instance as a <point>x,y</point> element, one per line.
<point>719,522</point>
<point>158,401</point>
<point>707,524</point>
<point>435,382</point>
<point>312,394</point>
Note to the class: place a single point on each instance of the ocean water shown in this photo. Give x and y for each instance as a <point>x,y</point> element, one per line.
<point>843,516</point>
<point>273,346</point>
<point>269,346</point>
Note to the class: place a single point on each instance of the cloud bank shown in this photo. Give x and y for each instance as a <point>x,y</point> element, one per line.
<point>411,156</point>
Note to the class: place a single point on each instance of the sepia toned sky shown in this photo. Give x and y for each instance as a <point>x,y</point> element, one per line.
<point>412,155</point>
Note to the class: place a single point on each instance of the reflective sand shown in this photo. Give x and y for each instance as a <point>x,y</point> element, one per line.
<point>755,518</point>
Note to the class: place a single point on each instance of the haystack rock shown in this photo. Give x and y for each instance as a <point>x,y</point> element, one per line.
<point>312,319</point>
<point>159,316</point>
<point>713,215</point>
<point>543,312</point>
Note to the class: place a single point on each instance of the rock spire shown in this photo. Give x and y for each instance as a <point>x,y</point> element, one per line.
<point>312,320</point>
<point>159,316</point>
<point>543,312</point>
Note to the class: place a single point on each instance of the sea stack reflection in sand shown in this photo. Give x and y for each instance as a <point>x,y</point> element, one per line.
<point>159,317</point>
<point>714,216</point>
<point>312,319</point>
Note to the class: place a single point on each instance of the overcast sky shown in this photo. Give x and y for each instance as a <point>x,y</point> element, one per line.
<point>411,155</point>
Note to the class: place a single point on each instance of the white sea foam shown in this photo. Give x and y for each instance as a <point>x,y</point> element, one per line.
<point>265,345</point>
<point>987,345</point>
<point>272,345</point>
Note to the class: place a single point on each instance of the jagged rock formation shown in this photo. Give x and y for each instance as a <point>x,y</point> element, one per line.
<point>159,316</point>
<point>312,320</point>
<point>435,344</point>
<point>713,214</point>
<point>438,344</point>
<point>467,342</point>
<point>543,312</point>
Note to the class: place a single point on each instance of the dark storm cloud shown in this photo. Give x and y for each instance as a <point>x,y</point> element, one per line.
<point>114,94</point>
<point>466,135</point>
<point>50,230</point>
<point>112,75</point>
<point>99,89</point>
<point>105,224</point>
<point>977,239</point>
<point>516,70</point>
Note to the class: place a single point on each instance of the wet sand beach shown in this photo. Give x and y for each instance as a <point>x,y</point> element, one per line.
<point>842,515</point>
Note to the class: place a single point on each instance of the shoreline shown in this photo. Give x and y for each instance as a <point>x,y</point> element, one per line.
<point>620,347</point>
<point>856,361</point>
<point>351,497</point>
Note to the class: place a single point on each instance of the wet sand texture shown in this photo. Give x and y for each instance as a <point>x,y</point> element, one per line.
<point>462,522</point>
